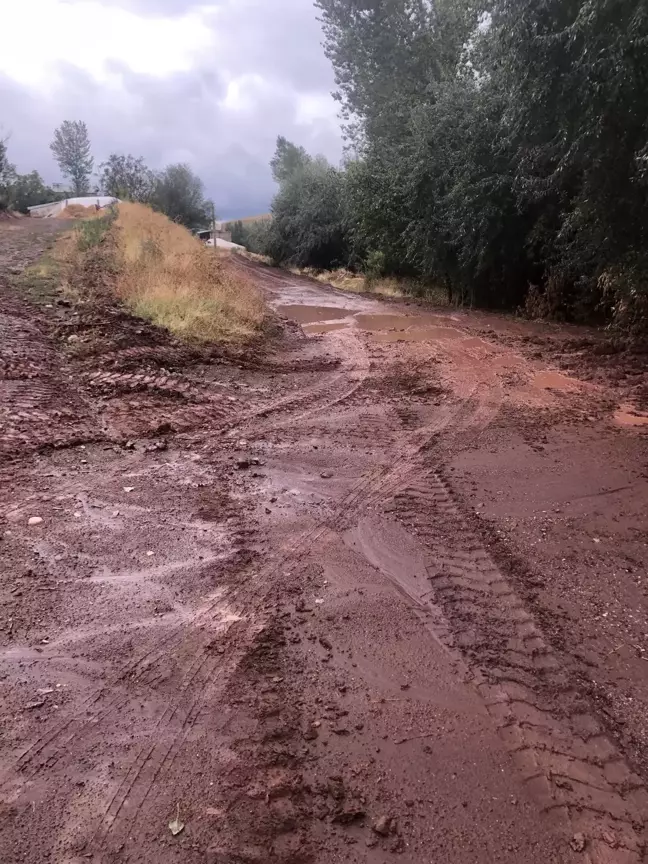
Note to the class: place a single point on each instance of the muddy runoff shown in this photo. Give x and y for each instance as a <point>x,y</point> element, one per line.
<point>383,327</point>
<point>370,591</point>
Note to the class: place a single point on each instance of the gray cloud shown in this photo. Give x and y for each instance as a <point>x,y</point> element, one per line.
<point>184,117</point>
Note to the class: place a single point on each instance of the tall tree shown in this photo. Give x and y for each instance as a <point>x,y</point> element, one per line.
<point>71,149</point>
<point>5,172</point>
<point>127,177</point>
<point>287,159</point>
<point>180,195</point>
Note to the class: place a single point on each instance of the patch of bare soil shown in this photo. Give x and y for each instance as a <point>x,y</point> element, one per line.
<point>352,594</point>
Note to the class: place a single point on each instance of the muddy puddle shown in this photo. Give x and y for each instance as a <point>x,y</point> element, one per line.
<point>417,334</point>
<point>629,416</point>
<point>313,314</point>
<point>326,327</point>
<point>381,327</point>
<point>554,381</point>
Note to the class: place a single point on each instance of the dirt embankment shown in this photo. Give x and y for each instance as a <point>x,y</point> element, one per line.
<point>372,590</point>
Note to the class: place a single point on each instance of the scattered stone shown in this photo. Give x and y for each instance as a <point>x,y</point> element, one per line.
<point>310,733</point>
<point>340,730</point>
<point>396,844</point>
<point>326,475</point>
<point>349,817</point>
<point>382,826</point>
<point>578,842</point>
<point>335,788</point>
<point>129,488</point>
<point>38,703</point>
<point>34,520</point>
<point>242,464</point>
<point>129,445</point>
<point>324,642</point>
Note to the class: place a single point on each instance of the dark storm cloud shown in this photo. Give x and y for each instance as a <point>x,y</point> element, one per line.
<point>188,116</point>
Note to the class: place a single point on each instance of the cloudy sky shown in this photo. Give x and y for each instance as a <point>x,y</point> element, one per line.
<point>208,82</point>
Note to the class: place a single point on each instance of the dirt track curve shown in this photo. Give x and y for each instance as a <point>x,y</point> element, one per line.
<point>373,590</point>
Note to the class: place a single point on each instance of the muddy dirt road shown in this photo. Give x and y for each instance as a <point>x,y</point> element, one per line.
<point>374,590</point>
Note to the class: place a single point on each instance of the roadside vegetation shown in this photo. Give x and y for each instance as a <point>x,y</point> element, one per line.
<point>162,273</point>
<point>497,151</point>
<point>167,275</point>
<point>175,191</point>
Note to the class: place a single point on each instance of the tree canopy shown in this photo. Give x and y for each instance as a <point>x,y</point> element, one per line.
<point>500,148</point>
<point>180,194</point>
<point>71,149</point>
<point>127,178</point>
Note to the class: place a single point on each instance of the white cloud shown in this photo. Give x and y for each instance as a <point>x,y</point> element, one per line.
<point>97,38</point>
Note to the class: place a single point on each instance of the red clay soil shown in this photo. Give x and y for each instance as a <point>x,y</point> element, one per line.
<point>373,590</point>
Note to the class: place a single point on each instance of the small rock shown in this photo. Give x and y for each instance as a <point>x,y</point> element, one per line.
<point>129,488</point>
<point>326,475</point>
<point>242,464</point>
<point>578,842</point>
<point>34,520</point>
<point>310,733</point>
<point>348,817</point>
<point>324,642</point>
<point>382,826</point>
<point>149,553</point>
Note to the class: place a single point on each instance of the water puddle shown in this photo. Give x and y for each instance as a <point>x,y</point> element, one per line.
<point>384,322</point>
<point>407,328</point>
<point>312,314</point>
<point>324,328</point>
<point>418,334</point>
<point>554,381</point>
<point>628,415</point>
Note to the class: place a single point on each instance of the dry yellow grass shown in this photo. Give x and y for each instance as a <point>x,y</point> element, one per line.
<point>345,280</point>
<point>169,277</point>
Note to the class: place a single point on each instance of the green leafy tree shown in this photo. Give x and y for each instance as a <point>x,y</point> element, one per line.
<point>71,149</point>
<point>127,178</point>
<point>6,172</point>
<point>288,159</point>
<point>180,195</point>
<point>308,224</point>
<point>238,232</point>
<point>29,190</point>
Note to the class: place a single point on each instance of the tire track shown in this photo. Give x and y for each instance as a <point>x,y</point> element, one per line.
<point>570,765</point>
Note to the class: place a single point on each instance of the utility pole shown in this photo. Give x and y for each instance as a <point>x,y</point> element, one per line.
<point>213,209</point>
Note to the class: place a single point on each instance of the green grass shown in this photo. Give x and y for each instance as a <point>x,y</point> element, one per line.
<point>90,232</point>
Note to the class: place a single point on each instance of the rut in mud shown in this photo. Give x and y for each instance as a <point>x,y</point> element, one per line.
<point>373,588</point>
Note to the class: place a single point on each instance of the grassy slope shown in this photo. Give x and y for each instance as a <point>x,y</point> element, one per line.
<point>167,275</point>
